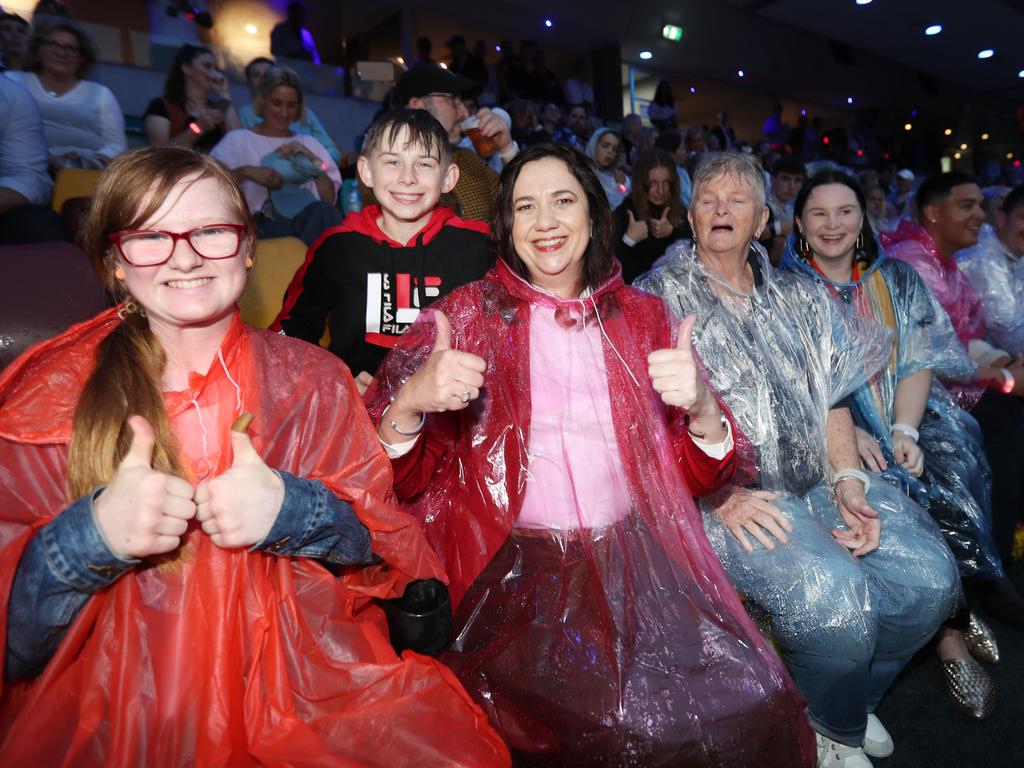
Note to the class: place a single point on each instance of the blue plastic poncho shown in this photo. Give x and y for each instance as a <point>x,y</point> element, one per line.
<point>956,486</point>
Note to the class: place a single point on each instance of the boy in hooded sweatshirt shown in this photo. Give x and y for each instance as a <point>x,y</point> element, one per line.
<point>368,278</point>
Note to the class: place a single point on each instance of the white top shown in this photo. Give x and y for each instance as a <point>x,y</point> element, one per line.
<point>22,146</point>
<point>87,119</point>
<point>245,147</point>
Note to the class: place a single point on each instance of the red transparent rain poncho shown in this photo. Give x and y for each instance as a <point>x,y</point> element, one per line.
<point>228,657</point>
<point>620,644</point>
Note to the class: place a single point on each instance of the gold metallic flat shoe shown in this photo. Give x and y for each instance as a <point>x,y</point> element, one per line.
<point>981,641</point>
<point>970,686</point>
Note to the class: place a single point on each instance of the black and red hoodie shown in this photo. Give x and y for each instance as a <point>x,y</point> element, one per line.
<point>370,288</point>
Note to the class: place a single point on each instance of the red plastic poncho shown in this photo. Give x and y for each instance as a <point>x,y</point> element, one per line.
<point>589,646</point>
<point>228,657</point>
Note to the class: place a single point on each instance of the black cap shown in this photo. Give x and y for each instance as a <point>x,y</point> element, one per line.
<point>424,79</point>
<point>456,40</point>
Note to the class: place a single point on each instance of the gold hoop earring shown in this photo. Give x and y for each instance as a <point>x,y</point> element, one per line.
<point>859,244</point>
<point>128,308</point>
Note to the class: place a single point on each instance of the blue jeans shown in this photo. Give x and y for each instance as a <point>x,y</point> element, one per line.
<point>845,625</point>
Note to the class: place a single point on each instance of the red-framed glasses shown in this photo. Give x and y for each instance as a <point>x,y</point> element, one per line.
<point>153,247</point>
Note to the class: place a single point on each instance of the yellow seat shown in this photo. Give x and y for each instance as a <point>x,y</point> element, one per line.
<point>73,182</point>
<point>277,261</point>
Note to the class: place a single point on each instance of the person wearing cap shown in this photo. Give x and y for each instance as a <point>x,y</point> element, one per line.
<point>439,92</point>
<point>902,198</point>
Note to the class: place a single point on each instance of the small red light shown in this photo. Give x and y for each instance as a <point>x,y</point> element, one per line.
<point>860,153</point>
<point>885,155</point>
<point>1016,163</point>
<point>194,127</point>
<point>825,140</point>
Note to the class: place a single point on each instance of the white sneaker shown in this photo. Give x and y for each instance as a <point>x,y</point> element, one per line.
<point>832,754</point>
<point>877,741</point>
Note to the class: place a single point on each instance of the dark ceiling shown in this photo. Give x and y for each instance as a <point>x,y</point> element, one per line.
<point>812,48</point>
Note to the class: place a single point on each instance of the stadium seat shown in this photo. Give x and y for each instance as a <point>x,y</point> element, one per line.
<point>277,261</point>
<point>73,182</point>
<point>47,288</point>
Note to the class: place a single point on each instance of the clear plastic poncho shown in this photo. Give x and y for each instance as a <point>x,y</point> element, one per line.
<point>997,277</point>
<point>593,622</point>
<point>956,486</point>
<point>216,657</point>
<point>782,356</point>
<point>910,243</point>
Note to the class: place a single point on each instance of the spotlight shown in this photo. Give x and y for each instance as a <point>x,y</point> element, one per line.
<point>933,30</point>
<point>646,55</point>
<point>548,23</point>
<point>988,53</point>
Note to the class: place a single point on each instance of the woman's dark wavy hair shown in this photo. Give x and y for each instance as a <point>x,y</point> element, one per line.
<point>869,250</point>
<point>174,86</point>
<point>599,258</point>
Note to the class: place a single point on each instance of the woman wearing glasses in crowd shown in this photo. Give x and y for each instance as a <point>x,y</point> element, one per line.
<point>549,428</point>
<point>180,590</point>
<point>82,121</point>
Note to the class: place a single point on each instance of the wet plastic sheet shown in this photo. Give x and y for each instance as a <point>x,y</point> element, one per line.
<point>910,243</point>
<point>591,634</point>
<point>956,486</point>
<point>997,277</point>
<point>226,657</point>
<point>782,356</point>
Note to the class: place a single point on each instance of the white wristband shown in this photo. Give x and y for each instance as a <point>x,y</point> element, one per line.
<point>509,153</point>
<point>628,240</point>
<point>907,430</point>
<point>852,474</point>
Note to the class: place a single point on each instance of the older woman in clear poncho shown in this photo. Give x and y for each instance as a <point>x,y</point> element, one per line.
<point>853,576</point>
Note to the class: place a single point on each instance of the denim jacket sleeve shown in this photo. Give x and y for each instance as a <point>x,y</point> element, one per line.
<point>65,562</point>
<point>315,523</point>
<point>68,560</point>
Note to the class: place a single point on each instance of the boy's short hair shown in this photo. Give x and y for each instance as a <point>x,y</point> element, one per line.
<point>423,128</point>
<point>937,188</point>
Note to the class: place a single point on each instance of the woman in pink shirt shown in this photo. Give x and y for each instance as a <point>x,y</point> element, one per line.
<point>549,426</point>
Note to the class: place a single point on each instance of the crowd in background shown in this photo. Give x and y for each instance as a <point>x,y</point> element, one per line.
<point>696,214</point>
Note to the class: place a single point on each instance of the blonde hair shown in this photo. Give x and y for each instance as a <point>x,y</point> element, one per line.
<point>127,376</point>
<point>274,78</point>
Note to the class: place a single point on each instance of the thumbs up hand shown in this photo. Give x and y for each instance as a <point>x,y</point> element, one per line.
<point>143,512</point>
<point>448,381</point>
<point>662,227</point>
<point>238,508</point>
<point>636,231</point>
<point>674,376</point>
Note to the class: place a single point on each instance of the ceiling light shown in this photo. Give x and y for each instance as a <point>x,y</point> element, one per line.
<point>956,156</point>
<point>739,72</point>
<point>443,65</point>
<point>988,53</point>
<point>934,29</point>
<point>497,48</point>
<point>1009,155</point>
<point>672,32</point>
<point>849,99</point>
<point>963,146</point>
<point>948,132</point>
<point>863,2</point>
<point>908,127</point>
<point>1021,73</point>
<point>400,60</point>
<point>692,89</point>
<point>646,55</point>
<point>984,137</point>
<point>548,23</point>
